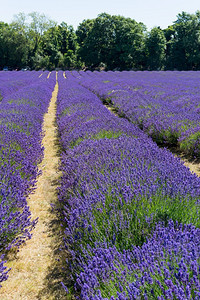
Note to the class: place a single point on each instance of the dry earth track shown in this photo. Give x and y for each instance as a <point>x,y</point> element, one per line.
<point>192,163</point>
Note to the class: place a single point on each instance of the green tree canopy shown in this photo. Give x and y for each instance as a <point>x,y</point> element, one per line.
<point>155,49</point>
<point>113,40</point>
<point>59,44</point>
<point>185,42</point>
<point>13,48</point>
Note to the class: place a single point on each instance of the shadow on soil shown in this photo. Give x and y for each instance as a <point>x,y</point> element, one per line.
<point>191,162</point>
<point>58,271</point>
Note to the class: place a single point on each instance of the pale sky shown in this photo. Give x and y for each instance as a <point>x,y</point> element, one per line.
<point>151,12</point>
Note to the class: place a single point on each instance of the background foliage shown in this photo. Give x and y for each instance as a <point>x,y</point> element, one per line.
<point>108,42</point>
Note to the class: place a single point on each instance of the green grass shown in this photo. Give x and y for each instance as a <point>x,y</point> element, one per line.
<point>140,216</point>
<point>21,101</point>
<point>15,126</point>
<point>191,145</point>
<point>72,109</point>
<point>91,118</point>
<point>112,286</point>
<point>102,134</point>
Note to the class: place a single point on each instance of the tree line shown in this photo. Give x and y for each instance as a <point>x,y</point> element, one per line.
<point>106,42</point>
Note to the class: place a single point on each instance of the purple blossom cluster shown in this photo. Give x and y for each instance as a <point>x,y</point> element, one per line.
<point>81,118</point>
<point>165,267</point>
<point>123,201</point>
<point>10,82</point>
<point>166,105</point>
<point>21,118</point>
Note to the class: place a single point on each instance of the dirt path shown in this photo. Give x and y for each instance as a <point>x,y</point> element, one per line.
<point>193,166</point>
<point>34,273</point>
<point>192,163</point>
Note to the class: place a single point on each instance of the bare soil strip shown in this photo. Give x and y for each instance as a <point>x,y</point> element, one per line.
<point>192,163</point>
<point>35,268</point>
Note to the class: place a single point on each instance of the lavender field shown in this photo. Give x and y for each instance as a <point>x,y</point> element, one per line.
<point>129,209</point>
<point>163,104</point>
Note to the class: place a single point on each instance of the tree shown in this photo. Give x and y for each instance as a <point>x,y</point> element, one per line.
<point>128,47</point>
<point>155,49</point>
<point>38,25</point>
<point>185,45</point>
<point>96,45</point>
<point>114,41</point>
<point>169,33</point>
<point>3,48</point>
<point>32,26</point>
<point>13,50</point>
<point>59,43</point>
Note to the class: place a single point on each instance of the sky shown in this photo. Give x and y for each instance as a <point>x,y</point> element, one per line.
<point>151,12</point>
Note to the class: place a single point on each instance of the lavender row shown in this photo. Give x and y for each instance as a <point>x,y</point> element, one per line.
<point>123,201</point>
<point>11,82</point>
<point>81,118</point>
<point>165,105</point>
<point>21,118</point>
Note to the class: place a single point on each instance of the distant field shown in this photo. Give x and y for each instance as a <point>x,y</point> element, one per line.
<point>166,105</point>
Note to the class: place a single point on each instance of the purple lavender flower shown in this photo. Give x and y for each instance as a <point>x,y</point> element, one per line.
<point>123,198</point>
